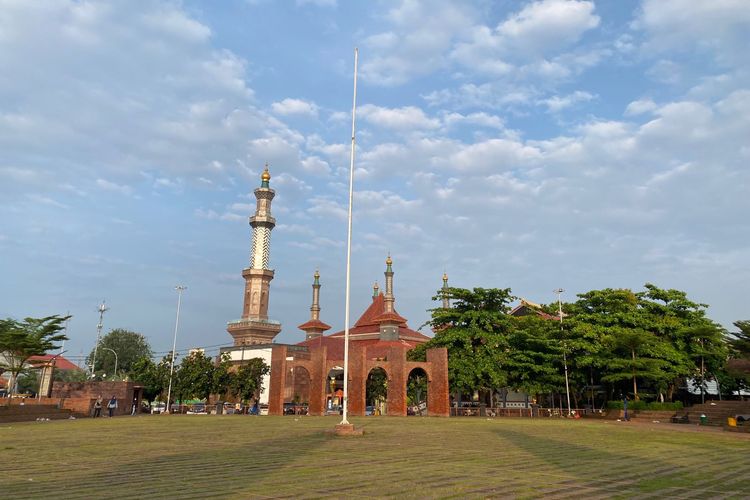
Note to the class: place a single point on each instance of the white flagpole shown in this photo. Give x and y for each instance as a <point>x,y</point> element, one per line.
<point>344,421</point>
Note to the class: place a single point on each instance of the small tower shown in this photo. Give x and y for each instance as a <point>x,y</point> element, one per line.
<point>390,320</point>
<point>389,299</point>
<point>254,327</point>
<point>375,291</point>
<point>446,301</point>
<point>314,328</point>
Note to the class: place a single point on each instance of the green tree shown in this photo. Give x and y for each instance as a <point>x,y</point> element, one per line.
<point>153,376</point>
<point>129,346</point>
<point>534,357</point>
<point>247,382</point>
<point>222,375</point>
<point>416,387</point>
<point>20,340</point>
<point>196,377</point>
<point>376,387</point>
<point>475,330</point>
<point>738,367</point>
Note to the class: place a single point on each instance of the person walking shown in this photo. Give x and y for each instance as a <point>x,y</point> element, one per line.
<point>134,409</point>
<point>98,406</point>
<point>112,405</point>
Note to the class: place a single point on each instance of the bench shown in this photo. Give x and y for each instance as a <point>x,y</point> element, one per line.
<point>680,419</point>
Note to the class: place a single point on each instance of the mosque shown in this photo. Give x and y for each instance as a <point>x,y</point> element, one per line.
<point>311,371</point>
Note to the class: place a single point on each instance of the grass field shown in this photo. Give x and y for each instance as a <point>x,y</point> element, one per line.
<point>201,456</point>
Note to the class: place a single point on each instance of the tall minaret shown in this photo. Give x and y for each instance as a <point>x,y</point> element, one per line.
<point>314,327</point>
<point>254,327</point>
<point>389,299</point>
<point>390,320</point>
<point>446,301</point>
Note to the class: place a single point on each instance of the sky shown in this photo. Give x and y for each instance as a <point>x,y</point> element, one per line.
<point>529,145</point>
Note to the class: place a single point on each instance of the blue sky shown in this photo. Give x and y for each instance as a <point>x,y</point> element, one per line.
<point>530,145</point>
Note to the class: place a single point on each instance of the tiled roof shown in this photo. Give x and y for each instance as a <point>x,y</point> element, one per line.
<point>525,309</point>
<point>376,348</point>
<point>368,326</point>
<point>314,323</point>
<point>60,363</point>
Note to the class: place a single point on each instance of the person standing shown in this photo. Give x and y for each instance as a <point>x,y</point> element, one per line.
<point>98,406</point>
<point>134,409</point>
<point>625,408</point>
<point>112,405</point>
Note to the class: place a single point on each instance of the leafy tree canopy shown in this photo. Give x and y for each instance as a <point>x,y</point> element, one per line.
<point>129,346</point>
<point>20,340</point>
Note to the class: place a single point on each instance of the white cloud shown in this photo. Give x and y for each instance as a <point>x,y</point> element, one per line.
<point>291,106</point>
<point>112,186</point>
<point>401,119</point>
<point>640,107</point>
<point>719,27</point>
<point>556,104</point>
<point>548,24</point>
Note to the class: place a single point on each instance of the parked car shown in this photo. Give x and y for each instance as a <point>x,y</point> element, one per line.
<point>369,410</point>
<point>158,407</point>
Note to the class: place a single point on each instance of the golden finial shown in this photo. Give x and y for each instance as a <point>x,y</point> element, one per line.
<point>445,276</point>
<point>388,260</point>
<point>317,274</point>
<point>265,176</point>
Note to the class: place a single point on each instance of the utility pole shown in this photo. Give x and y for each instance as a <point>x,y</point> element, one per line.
<point>180,289</point>
<point>559,292</point>
<point>102,309</point>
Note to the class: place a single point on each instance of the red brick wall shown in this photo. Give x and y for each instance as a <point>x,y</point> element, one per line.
<point>357,380</point>
<point>318,377</point>
<point>438,402</point>
<point>396,367</point>
<point>80,396</point>
<point>397,381</point>
<point>278,380</point>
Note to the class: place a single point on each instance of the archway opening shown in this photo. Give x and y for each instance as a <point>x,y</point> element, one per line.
<point>416,392</point>
<point>297,391</point>
<point>335,390</point>
<point>376,396</point>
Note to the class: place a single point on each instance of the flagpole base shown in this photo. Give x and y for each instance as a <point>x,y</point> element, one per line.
<point>347,430</point>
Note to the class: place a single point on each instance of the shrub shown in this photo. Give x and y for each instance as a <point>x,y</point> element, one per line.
<point>642,405</point>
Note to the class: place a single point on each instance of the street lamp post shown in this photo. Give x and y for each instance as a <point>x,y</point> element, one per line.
<point>180,289</point>
<point>559,292</point>
<point>102,309</point>
<point>113,352</point>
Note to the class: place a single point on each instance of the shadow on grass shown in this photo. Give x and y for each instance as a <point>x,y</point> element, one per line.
<point>203,469</point>
<point>572,465</point>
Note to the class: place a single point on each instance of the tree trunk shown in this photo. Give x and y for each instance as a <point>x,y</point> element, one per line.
<point>635,385</point>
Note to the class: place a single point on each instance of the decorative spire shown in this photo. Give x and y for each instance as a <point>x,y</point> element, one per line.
<point>265,177</point>
<point>315,309</point>
<point>389,299</point>
<point>314,328</point>
<point>375,291</point>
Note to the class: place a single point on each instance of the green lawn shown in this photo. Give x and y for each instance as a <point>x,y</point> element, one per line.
<point>199,456</point>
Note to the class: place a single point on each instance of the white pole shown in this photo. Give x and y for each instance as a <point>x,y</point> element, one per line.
<point>102,310</point>
<point>115,353</point>
<point>559,291</point>
<point>179,289</point>
<point>344,421</point>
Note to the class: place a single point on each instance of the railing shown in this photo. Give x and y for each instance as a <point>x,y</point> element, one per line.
<point>242,322</point>
<point>531,412</point>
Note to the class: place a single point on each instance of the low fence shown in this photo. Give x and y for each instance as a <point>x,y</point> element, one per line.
<point>530,412</point>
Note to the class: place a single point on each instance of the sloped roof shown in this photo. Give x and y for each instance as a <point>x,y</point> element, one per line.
<point>60,362</point>
<point>369,324</point>
<point>376,348</point>
<point>314,324</point>
<point>525,309</point>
